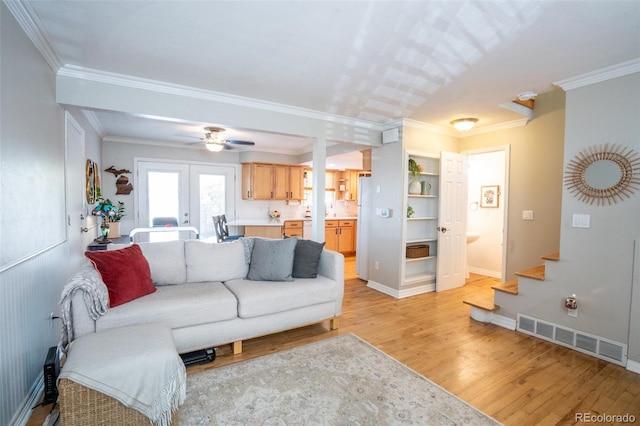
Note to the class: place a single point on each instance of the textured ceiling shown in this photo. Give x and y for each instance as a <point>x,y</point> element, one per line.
<point>378,61</point>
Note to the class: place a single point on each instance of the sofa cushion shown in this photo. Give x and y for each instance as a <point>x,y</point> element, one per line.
<point>306,259</point>
<point>272,260</point>
<point>256,298</point>
<point>166,261</point>
<point>213,261</point>
<point>176,305</point>
<point>125,272</point>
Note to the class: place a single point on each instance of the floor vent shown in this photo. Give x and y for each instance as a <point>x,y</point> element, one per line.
<point>583,342</point>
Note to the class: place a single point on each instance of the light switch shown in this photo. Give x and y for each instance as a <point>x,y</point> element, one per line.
<point>581,221</point>
<point>527,214</point>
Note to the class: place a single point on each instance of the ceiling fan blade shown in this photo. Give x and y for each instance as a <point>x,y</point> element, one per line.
<point>234,142</point>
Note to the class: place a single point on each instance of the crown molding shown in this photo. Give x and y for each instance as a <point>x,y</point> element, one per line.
<point>32,26</point>
<point>603,74</point>
<point>106,77</point>
<point>428,127</point>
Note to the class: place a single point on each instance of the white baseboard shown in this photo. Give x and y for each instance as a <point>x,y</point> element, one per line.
<point>487,272</point>
<point>33,397</point>
<point>505,322</point>
<point>633,366</point>
<point>400,294</point>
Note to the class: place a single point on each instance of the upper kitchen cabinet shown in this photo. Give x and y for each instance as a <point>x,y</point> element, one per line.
<point>329,179</point>
<point>347,185</point>
<point>265,181</point>
<point>289,182</point>
<point>257,181</point>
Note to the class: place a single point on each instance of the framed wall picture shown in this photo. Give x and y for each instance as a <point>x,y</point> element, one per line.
<point>489,196</point>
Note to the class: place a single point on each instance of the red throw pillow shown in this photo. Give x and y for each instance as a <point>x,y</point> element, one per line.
<point>125,272</point>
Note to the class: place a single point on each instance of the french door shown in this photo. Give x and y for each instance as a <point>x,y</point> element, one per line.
<point>190,194</point>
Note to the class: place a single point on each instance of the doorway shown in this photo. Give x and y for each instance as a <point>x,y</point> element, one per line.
<point>187,194</point>
<point>488,169</point>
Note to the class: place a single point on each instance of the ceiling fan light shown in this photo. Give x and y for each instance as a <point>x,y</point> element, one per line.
<point>464,124</point>
<point>214,147</point>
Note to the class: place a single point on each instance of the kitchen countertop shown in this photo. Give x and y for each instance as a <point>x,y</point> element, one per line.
<point>280,222</point>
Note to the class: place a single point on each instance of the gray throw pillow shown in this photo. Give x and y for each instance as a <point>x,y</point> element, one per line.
<point>306,259</point>
<point>272,260</point>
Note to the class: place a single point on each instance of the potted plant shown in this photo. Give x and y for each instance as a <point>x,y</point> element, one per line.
<point>111,215</point>
<point>414,171</point>
<point>114,220</point>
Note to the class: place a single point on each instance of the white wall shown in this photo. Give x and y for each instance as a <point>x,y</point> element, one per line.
<point>32,233</point>
<point>597,263</point>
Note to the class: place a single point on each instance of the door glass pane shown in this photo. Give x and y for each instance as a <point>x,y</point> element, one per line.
<point>164,201</point>
<point>164,195</point>
<point>212,202</point>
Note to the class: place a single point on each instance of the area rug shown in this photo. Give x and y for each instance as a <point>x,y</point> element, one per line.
<point>342,380</point>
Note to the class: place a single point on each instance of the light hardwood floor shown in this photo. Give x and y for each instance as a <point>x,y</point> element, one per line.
<point>515,378</point>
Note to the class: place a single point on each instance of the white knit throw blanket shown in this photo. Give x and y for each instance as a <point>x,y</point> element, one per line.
<point>95,295</point>
<point>137,365</point>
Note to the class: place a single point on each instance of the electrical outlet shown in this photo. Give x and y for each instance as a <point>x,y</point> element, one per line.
<point>376,265</point>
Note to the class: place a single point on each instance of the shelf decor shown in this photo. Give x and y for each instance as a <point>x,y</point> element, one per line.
<point>415,187</point>
<point>489,195</point>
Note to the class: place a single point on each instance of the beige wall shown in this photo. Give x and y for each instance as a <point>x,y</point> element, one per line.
<point>535,181</point>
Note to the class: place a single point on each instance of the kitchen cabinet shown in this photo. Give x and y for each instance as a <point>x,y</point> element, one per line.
<point>288,182</point>
<point>292,228</point>
<point>329,179</point>
<point>340,235</point>
<point>265,181</point>
<point>268,231</point>
<point>257,181</point>
<point>347,186</point>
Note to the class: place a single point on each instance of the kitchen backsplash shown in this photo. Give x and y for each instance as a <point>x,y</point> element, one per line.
<point>261,209</point>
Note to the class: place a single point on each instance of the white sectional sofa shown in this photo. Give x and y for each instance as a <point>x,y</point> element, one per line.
<point>212,294</point>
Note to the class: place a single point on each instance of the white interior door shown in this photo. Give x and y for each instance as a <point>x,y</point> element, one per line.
<point>75,191</point>
<point>452,235</point>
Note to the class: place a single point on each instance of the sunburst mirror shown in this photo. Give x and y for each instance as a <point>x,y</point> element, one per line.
<point>603,174</point>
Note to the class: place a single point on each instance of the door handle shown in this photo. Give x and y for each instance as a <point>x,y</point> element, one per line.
<point>443,229</point>
<point>84,229</point>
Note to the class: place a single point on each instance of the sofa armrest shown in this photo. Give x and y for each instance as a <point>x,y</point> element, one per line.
<point>82,321</point>
<point>332,265</point>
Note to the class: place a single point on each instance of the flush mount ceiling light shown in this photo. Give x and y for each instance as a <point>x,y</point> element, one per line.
<point>464,124</point>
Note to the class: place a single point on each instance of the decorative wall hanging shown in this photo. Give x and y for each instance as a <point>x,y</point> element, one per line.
<point>92,176</point>
<point>489,195</point>
<point>603,174</point>
<point>123,187</point>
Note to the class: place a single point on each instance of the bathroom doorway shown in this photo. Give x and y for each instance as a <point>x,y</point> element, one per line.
<point>488,179</point>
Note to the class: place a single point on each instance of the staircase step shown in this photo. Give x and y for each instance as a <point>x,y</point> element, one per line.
<point>553,256</point>
<point>484,303</point>
<point>510,287</point>
<point>536,273</point>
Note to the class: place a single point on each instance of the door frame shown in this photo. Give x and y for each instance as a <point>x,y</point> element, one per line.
<point>505,197</point>
<point>75,204</point>
<point>231,207</point>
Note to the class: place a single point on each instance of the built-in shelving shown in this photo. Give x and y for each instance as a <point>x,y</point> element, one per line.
<point>421,227</point>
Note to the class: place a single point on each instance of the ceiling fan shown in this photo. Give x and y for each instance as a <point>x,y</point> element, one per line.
<point>214,142</point>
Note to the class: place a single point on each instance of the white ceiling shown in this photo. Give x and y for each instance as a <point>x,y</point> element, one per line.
<point>376,61</point>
